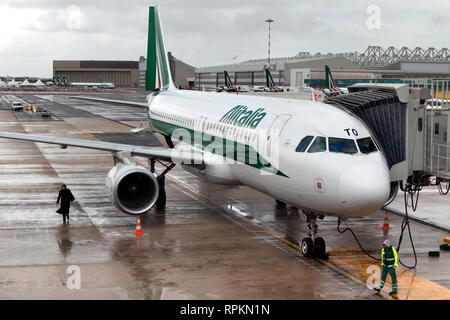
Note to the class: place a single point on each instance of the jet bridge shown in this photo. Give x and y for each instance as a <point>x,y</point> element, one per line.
<point>410,125</point>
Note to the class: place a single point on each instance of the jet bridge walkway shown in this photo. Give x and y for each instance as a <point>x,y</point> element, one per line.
<point>410,123</point>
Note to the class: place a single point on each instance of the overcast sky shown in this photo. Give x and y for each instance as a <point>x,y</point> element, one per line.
<point>207,32</point>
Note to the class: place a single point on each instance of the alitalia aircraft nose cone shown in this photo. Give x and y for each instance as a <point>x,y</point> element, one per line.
<point>364,189</point>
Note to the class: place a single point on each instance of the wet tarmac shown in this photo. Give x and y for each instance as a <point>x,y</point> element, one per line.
<point>211,241</point>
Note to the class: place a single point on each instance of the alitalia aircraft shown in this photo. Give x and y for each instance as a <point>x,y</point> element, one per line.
<point>332,89</point>
<point>271,84</point>
<point>229,86</point>
<point>313,156</point>
<point>64,81</point>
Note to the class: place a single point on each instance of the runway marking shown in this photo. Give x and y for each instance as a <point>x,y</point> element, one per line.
<point>352,263</point>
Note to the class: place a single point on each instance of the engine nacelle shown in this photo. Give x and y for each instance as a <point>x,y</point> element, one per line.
<point>133,189</point>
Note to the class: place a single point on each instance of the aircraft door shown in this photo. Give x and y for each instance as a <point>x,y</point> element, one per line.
<point>274,132</point>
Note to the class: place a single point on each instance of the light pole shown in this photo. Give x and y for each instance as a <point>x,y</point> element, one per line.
<point>269,21</point>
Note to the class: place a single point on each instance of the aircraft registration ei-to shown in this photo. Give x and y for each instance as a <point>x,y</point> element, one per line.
<point>325,162</point>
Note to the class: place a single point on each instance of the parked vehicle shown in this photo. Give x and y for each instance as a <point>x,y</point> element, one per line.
<point>41,109</point>
<point>16,106</point>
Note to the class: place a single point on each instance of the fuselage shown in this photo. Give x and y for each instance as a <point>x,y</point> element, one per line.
<point>327,176</point>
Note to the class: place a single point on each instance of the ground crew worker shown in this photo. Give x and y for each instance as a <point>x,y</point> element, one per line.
<point>66,196</point>
<point>389,260</point>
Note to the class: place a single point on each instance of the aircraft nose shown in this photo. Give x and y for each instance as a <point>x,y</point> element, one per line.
<point>364,189</point>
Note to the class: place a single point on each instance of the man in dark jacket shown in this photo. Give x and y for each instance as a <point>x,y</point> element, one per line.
<point>389,260</point>
<point>66,196</point>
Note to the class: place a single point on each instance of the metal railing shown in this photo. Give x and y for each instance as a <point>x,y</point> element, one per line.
<point>437,153</point>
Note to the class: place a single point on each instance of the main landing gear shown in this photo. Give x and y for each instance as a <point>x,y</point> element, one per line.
<point>161,178</point>
<point>313,246</point>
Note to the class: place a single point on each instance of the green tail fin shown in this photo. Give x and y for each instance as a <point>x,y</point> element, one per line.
<point>66,81</point>
<point>157,76</point>
<point>329,78</point>
<point>269,81</point>
<point>228,81</point>
<point>59,81</point>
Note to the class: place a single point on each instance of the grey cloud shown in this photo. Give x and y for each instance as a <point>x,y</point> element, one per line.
<point>205,32</point>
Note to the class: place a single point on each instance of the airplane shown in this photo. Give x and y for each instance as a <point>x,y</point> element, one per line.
<point>331,89</point>
<point>270,83</point>
<point>64,81</point>
<point>299,152</point>
<point>230,87</point>
<point>58,81</point>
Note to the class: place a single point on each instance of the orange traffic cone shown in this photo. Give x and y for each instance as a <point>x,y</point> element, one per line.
<point>386,222</point>
<point>138,231</point>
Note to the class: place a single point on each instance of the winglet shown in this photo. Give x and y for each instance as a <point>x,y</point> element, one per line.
<point>157,76</point>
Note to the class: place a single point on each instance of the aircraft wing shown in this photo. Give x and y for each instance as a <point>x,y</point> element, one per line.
<point>172,155</point>
<point>121,102</point>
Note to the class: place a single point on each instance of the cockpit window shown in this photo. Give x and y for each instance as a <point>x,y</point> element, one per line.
<point>304,144</point>
<point>319,145</point>
<point>366,145</point>
<point>342,145</point>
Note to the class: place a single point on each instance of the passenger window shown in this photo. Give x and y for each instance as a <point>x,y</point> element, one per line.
<point>420,124</point>
<point>342,145</point>
<point>366,145</point>
<point>319,145</point>
<point>304,143</point>
<point>436,129</point>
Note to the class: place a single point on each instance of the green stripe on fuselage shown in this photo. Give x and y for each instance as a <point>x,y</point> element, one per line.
<point>250,157</point>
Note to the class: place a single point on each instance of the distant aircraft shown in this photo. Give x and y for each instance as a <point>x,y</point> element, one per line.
<point>57,81</point>
<point>271,84</point>
<point>332,90</point>
<point>64,81</point>
<point>229,86</point>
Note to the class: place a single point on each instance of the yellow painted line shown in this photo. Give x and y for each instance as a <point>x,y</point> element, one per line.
<point>293,245</point>
<point>353,263</point>
<point>447,240</point>
<point>410,285</point>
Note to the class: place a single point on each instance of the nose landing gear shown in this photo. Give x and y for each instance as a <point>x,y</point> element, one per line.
<point>312,246</point>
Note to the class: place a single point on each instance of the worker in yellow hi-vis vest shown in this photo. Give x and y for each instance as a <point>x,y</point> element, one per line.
<point>389,260</point>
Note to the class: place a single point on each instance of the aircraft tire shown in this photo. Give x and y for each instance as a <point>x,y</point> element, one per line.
<point>319,247</point>
<point>307,247</point>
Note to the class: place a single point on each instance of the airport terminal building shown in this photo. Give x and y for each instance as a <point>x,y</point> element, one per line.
<point>374,65</point>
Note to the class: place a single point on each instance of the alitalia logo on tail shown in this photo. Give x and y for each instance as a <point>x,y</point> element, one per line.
<point>270,83</point>
<point>67,81</point>
<point>58,81</point>
<point>228,82</point>
<point>157,77</point>
<point>330,81</point>
<point>242,116</point>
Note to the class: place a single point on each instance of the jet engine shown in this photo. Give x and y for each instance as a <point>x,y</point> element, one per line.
<point>133,189</point>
